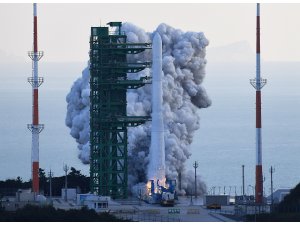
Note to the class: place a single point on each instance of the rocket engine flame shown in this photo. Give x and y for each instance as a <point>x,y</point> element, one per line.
<point>183,65</point>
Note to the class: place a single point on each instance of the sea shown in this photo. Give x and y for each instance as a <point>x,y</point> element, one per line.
<point>224,142</point>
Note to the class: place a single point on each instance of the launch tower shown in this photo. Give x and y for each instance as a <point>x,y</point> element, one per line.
<point>35,127</point>
<point>108,117</point>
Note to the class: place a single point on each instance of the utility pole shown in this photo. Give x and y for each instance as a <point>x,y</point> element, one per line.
<point>50,181</point>
<point>243,166</point>
<point>66,168</point>
<point>253,190</point>
<point>272,170</point>
<point>191,203</point>
<point>179,179</point>
<point>195,165</point>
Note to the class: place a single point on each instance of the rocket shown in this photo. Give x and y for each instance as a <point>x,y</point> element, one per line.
<point>258,84</point>
<point>35,127</point>
<point>156,168</point>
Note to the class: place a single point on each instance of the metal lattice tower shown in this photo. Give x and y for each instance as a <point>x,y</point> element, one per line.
<point>35,128</point>
<point>108,117</point>
<point>258,83</point>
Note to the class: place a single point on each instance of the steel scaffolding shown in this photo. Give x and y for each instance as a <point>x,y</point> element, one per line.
<point>108,117</point>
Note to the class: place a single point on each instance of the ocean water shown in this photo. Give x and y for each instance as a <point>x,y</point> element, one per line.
<point>56,145</point>
<point>225,141</point>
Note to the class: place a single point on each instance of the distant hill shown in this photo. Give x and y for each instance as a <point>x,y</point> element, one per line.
<point>235,52</point>
<point>9,58</point>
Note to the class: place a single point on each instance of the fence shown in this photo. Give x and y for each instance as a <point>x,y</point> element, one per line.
<point>142,217</point>
<point>222,211</point>
<point>242,210</point>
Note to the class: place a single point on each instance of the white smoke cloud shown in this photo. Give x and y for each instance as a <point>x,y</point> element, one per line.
<point>78,114</point>
<point>183,95</point>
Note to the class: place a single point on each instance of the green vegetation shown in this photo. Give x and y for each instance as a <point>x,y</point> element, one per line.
<point>10,186</point>
<point>275,217</point>
<point>32,213</point>
<point>77,180</point>
<point>286,211</point>
<point>291,202</point>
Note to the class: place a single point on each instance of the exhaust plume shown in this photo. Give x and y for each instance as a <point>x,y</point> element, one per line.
<point>183,65</point>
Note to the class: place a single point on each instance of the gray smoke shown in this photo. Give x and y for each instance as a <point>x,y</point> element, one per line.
<point>183,95</point>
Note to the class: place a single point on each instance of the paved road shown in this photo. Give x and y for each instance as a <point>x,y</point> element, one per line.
<point>184,212</point>
<point>187,214</point>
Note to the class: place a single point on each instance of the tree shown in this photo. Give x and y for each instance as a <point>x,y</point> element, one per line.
<point>19,180</point>
<point>75,173</point>
<point>75,180</point>
<point>78,180</point>
<point>291,202</point>
<point>43,179</point>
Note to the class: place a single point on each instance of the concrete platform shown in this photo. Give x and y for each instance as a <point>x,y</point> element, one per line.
<point>183,211</point>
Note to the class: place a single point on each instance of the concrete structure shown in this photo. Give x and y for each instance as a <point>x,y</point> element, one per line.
<point>35,127</point>
<point>98,203</point>
<point>137,210</point>
<point>216,199</point>
<point>25,196</point>
<point>71,193</point>
<point>183,211</point>
<point>279,195</point>
<point>244,199</point>
<point>22,198</point>
<point>13,205</point>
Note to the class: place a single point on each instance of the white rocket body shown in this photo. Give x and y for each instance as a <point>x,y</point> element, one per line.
<point>156,168</point>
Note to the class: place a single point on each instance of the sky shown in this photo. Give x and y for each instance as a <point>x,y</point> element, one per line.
<point>64,29</point>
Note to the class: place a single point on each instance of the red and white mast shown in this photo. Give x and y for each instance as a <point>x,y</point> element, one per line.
<point>35,127</point>
<point>258,84</point>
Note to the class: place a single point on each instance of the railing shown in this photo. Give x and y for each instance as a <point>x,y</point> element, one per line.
<point>116,32</point>
<point>147,218</point>
<point>222,211</point>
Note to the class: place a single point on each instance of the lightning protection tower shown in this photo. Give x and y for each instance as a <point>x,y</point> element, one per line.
<point>258,83</point>
<point>35,127</point>
<point>108,117</point>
